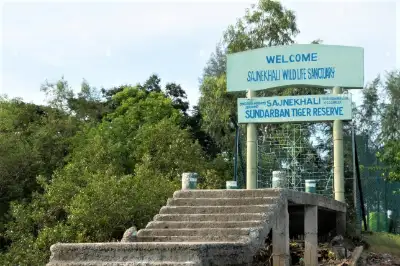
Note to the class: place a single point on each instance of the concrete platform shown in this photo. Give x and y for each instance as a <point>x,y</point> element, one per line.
<point>210,227</point>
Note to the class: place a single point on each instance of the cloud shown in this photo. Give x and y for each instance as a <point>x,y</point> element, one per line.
<point>109,42</point>
<point>202,53</point>
<point>398,35</point>
<point>58,33</point>
<point>108,52</point>
<point>17,87</point>
<point>97,23</point>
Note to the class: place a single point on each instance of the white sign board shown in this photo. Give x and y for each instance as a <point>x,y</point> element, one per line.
<point>294,109</point>
<point>298,65</point>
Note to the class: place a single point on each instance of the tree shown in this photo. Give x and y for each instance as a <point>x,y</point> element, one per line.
<point>216,65</point>
<point>377,121</point>
<point>152,84</point>
<point>390,128</point>
<point>34,140</point>
<point>218,109</point>
<point>87,105</point>
<point>119,173</point>
<point>178,97</point>
<point>368,114</point>
<point>265,24</point>
<point>194,124</point>
<point>58,94</point>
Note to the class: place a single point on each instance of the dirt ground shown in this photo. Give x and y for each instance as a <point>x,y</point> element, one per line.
<point>380,249</point>
<point>369,259</point>
<point>374,259</point>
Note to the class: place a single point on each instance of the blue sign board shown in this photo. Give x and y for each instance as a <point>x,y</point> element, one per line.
<point>297,65</point>
<point>294,108</point>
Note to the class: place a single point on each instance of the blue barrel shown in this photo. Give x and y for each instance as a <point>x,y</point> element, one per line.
<point>189,181</point>
<point>311,186</point>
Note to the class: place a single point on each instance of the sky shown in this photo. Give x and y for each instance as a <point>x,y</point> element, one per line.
<point>110,43</point>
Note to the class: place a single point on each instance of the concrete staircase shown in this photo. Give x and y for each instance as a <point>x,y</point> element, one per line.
<point>196,227</point>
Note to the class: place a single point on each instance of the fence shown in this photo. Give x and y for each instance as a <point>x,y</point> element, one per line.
<point>381,198</point>
<point>382,203</point>
<point>289,148</point>
<point>286,148</point>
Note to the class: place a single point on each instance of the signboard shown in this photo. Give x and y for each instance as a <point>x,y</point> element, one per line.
<point>294,108</point>
<point>298,65</point>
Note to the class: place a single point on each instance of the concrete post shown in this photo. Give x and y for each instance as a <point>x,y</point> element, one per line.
<point>280,238</point>
<point>341,223</point>
<point>338,160</point>
<point>311,235</point>
<point>251,171</point>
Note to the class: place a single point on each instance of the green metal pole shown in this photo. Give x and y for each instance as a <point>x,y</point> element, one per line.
<point>338,160</point>
<point>235,166</point>
<point>251,173</point>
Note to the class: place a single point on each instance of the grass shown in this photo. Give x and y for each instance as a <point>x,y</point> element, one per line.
<point>383,243</point>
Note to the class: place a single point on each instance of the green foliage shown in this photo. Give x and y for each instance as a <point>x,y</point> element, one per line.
<point>378,222</point>
<point>108,205</point>
<point>218,109</point>
<point>58,94</point>
<point>391,156</point>
<point>390,135</point>
<point>118,172</point>
<point>368,114</point>
<point>378,120</point>
<point>100,211</point>
<point>178,96</point>
<point>216,173</point>
<point>194,124</point>
<point>167,148</point>
<point>152,84</point>
<point>34,140</point>
<point>91,164</point>
<point>265,24</point>
<point>216,65</point>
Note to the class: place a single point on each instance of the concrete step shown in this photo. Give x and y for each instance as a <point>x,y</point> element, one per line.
<point>227,193</point>
<point>188,239</point>
<point>216,209</point>
<point>231,217</point>
<point>149,263</point>
<point>198,232</point>
<point>128,251</point>
<point>203,224</point>
<point>221,201</point>
<point>207,253</point>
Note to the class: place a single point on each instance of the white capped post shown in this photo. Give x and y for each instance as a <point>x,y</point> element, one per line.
<point>251,171</point>
<point>338,156</point>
